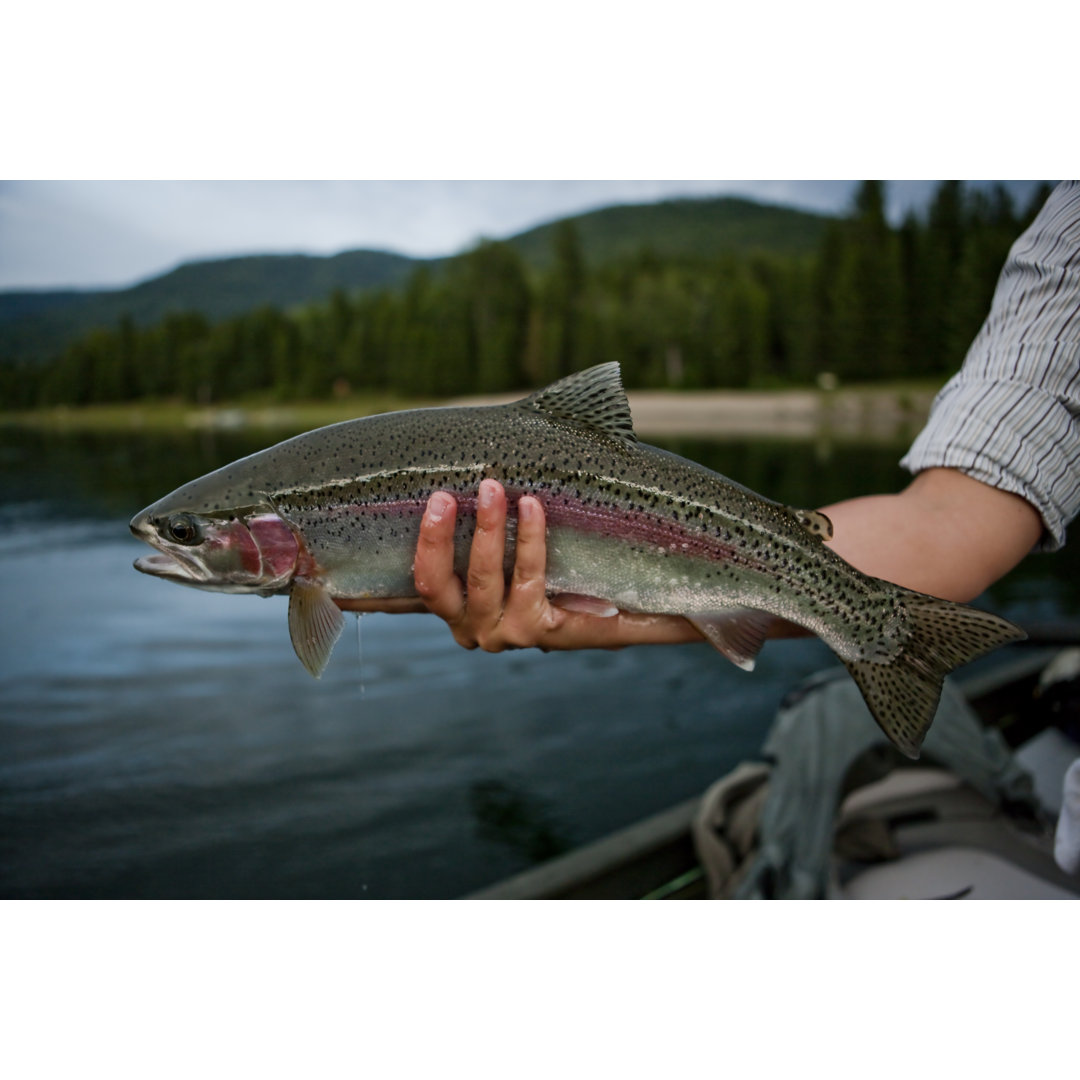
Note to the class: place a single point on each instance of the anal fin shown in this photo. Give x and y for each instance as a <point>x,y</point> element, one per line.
<point>738,633</point>
<point>315,624</point>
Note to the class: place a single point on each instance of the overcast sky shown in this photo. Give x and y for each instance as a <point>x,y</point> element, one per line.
<point>107,234</point>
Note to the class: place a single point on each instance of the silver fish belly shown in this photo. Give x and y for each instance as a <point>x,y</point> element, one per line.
<point>335,514</point>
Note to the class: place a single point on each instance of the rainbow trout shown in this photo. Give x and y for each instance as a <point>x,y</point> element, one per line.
<point>335,513</point>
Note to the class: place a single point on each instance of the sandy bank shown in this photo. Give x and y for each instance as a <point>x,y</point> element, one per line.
<point>866,413</point>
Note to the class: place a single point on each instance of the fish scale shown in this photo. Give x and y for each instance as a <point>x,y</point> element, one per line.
<point>628,525</point>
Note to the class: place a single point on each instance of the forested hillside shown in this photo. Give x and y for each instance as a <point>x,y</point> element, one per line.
<point>36,326</point>
<point>862,300</point>
<point>675,228</point>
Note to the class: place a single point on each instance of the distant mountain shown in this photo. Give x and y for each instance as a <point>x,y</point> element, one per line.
<point>36,325</point>
<point>680,227</point>
<point>21,305</point>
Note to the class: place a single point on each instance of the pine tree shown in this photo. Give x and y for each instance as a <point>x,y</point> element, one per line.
<point>566,291</point>
<point>861,291</point>
<point>493,279</point>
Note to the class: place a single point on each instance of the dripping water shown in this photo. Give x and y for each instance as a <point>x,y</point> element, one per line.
<point>360,651</point>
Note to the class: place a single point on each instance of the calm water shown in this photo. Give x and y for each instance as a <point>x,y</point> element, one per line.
<point>157,741</point>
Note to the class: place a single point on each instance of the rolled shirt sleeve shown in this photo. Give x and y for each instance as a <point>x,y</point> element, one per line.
<point>1011,416</point>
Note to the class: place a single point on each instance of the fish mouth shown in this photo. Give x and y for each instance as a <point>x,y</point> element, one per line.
<point>169,567</point>
<point>164,564</point>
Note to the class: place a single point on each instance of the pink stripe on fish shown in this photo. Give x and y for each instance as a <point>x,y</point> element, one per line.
<point>637,526</point>
<point>634,526</point>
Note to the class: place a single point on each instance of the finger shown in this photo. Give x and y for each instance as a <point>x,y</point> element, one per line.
<point>395,605</point>
<point>433,569</point>
<point>528,618</point>
<point>530,558</point>
<point>485,584</point>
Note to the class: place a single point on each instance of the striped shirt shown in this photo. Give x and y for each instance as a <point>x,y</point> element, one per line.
<point>1011,416</point>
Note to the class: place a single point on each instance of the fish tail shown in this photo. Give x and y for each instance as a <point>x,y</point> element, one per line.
<point>902,693</point>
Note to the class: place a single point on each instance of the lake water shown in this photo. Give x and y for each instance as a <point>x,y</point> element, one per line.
<point>157,741</point>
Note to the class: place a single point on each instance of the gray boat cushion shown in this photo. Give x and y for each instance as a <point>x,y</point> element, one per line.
<point>824,744</point>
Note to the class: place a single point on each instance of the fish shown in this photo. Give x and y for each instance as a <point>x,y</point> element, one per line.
<point>334,514</point>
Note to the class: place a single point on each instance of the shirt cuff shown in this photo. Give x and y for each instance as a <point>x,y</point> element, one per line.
<point>1014,436</point>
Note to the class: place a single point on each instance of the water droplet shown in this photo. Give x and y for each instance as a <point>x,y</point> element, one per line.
<point>360,652</point>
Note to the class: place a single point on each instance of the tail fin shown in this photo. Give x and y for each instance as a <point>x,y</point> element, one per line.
<point>902,693</point>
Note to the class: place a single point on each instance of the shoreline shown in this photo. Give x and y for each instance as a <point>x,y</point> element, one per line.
<point>862,412</point>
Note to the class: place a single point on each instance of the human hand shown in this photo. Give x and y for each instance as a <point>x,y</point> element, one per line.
<point>489,613</point>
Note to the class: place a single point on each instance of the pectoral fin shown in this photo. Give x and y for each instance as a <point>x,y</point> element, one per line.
<point>315,624</point>
<point>738,633</point>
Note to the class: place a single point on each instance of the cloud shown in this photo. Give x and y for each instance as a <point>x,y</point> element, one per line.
<point>113,233</point>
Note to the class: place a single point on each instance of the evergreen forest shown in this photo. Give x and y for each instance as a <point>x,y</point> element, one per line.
<point>870,302</point>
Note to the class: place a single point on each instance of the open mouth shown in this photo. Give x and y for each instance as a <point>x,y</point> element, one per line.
<point>167,566</point>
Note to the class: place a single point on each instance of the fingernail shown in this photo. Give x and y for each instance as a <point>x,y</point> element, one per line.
<point>526,509</point>
<point>488,491</point>
<point>438,506</point>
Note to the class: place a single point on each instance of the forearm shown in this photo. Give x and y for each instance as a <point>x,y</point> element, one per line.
<point>945,534</point>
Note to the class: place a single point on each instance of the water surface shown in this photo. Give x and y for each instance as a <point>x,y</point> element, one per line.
<point>157,741</point>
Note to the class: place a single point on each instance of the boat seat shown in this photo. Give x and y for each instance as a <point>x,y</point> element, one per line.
<point>945,841</point>
<point>833,796</point>
<point>952,873</point>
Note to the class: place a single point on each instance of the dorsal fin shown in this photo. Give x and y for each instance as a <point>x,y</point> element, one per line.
<point>594,397</point>
<point>814,522</point>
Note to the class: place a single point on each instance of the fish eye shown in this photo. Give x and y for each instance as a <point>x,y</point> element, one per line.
<point>183,529</point>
